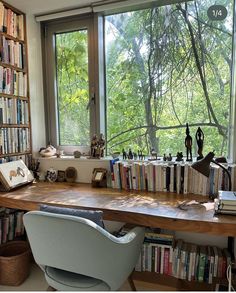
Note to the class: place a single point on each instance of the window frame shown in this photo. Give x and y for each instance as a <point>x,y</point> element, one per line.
<point>49,29</point>
<point>97,73</point>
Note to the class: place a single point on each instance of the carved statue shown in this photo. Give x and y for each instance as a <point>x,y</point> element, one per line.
<point>200,140</point>
<point>188,144</point>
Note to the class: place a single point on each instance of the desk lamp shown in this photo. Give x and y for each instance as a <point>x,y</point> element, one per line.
<point>203,166</point>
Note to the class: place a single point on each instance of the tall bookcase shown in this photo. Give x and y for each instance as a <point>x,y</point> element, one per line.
<point>15,126</point>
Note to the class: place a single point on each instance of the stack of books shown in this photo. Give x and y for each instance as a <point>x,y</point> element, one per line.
<point>226,203</point>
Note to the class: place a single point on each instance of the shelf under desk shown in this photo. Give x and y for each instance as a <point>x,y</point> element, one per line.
<point>135,207</point>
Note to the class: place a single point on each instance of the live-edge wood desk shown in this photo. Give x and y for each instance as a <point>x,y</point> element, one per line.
<point>134,207</point>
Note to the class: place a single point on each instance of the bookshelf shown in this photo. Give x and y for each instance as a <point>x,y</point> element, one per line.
<point>15,127</point>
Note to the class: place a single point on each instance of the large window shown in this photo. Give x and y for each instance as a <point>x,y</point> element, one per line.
<point>165,67</point>
<point>150,71</point>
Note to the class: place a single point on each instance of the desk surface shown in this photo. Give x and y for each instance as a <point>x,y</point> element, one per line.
<point>140,208</point>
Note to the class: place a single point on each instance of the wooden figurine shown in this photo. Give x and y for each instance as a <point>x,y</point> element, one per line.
<point>200,140</point>
<point>188,144</point>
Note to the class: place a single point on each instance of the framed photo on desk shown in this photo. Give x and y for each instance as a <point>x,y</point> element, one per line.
<point>99,177</point>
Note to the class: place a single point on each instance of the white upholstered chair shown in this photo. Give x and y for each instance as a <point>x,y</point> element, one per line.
<point>78,255</point>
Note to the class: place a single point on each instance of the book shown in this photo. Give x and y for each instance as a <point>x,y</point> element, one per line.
<point>227,197</point>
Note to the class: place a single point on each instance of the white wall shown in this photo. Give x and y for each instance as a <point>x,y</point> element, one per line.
<point>36,84</point>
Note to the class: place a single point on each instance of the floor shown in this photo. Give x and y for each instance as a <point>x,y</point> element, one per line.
<point>36,282</point>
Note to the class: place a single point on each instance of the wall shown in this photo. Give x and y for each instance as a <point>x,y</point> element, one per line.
<point>36,84</point>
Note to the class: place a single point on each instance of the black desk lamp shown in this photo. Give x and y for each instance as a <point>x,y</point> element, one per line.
<point>203,167</point>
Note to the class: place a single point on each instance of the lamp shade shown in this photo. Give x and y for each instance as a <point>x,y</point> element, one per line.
<point>203,165</point>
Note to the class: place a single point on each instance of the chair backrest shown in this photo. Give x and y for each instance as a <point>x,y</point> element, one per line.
<point>78,245</point>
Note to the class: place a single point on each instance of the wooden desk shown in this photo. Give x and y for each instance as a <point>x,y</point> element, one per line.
<point>140,208</point>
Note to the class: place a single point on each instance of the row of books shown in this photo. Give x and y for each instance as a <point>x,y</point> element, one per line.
<point>11,23</point>
<point>25,158</point>
<point>183,260</point>
<point>13,82</point>
<point>14,140</point>
<point>12,52</point>
<point>14,111</point>
<point>158,176</point>
<point>11,224</point>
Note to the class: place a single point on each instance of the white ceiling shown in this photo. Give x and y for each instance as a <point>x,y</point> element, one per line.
<point>37,7</point>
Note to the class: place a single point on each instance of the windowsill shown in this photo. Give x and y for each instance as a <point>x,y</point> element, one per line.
<point>63,158</point>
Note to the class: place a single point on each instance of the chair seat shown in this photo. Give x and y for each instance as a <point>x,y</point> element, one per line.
<point>66,281</point>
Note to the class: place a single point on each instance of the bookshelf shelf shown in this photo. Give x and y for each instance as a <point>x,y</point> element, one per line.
<point>9,37</point>
<point>15,154</point>
<point>15,128</point>
<point>14,97</point>
<point>12,67</point>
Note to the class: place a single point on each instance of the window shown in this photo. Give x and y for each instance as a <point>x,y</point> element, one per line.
<point>70,83</point>
<point>163,67</point>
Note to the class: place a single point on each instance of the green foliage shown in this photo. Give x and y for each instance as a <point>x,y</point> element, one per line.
<point>72,84</point>
<point>156,81</point>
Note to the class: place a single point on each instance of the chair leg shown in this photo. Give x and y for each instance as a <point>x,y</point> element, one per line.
<point>131,283</point>
<point>49,288</point>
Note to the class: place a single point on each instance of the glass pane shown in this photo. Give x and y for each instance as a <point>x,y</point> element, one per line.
<point>72,87</point>
<point>169,68</point>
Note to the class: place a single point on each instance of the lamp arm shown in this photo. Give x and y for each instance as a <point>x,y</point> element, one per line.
<point>227,171</point>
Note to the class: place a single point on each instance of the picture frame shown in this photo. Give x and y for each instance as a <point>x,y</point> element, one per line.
<point>99,177</point>
<point>14,174</point>
<point>61,177</point>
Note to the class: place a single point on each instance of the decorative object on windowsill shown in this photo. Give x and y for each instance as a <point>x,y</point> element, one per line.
<point>49,151</point>
<point>51,175</point>
<point>130,155</point>
<point>188,144</point>
<point>179,157</point>
<point>124,154</point>
<point>200,141</point>
<point>169,158</point>
<point>164,158</point>
<point>99,177</point>
<point>203,167</point>
<point>70,174</point>
<point>60,153</point>
<point>61,176</point>
<point>77,154</point>
<point>140,155</point>
<point>153,154</point>
<point>97,146</point>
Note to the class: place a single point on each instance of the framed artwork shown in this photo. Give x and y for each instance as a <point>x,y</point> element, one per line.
<point>99,177</point>
<point>14,174</point>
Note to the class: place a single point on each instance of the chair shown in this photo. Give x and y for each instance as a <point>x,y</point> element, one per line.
<point>78,255</point>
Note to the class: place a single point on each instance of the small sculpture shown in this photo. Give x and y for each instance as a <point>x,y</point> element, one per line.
<point>179,157</point>
<point>49,151</point>
<point>140,155</point>
<point>135,156</point>
<point>169,158</point>
<point>124,154</point>
<point>153,154</point>
<point>101,146</point>
<point>188,144</point>
<point>200,140</point>
<point>130,155</point>
<point>77,154</point>
<point>164,157</point>
<point>94,146</point>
